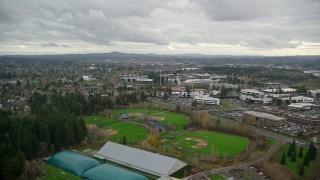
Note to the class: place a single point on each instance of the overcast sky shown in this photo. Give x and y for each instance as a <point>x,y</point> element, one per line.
<point>230,27</point>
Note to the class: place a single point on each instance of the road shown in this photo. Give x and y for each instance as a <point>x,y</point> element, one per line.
<point>245,167</point>
<point>278,137</point>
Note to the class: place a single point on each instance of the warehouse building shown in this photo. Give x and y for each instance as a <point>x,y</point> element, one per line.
<point>142,161</point>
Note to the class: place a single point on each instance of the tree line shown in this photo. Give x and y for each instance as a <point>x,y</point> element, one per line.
<point>24,138</point>
<point>293,153</point>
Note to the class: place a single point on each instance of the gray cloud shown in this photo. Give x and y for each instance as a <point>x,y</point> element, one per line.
<point>49,44</point>
<point>263,24</point>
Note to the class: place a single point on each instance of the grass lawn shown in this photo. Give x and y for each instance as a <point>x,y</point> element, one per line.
<point>176,119</point>
<point>102,121</point>
<point>53,173</point>
<point>170,117</point>
<point>217,177</point>
<point>221,144</point>
<point>293,166</point>
<point>227,105</point>
<point>89,82</point>
<point>133,133</point>
<point>126,111</point>
<point>271,142</point>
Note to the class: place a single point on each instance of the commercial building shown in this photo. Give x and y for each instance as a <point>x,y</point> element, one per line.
<point>254,95</point>
<point>302,106</point>
<point>302,119</point>
<point>206,100</point>
<point>264,119</point>
<point>281,90</point>
<point>194,83</point>
<point>299,99</point>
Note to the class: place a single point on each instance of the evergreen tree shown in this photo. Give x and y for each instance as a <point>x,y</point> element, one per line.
<point>178,108</point>
<point>57,139</point>
<point>312,151</point>
<point>124,140</point>
<point>300,155</point>
<point>26,145</point>
<point>8,170</point>
<point>289,151</point>
<point>188,89</point>
<point>306,159</point>
<point>283,159</point>
<point>45,136</point>
<point>301,171</point>
<point>165,96</point>
<point>20,163</point>
<point>292,147</point>
<point>294,155</point>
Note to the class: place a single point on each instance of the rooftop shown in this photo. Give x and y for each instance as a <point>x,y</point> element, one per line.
<point>152,163</point>
<point>264,115</point>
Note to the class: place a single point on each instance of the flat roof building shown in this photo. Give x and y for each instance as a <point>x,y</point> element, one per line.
<point>305,120</point>
<point>140,160</point>
<point>206,100</point>
<point>265,119</point>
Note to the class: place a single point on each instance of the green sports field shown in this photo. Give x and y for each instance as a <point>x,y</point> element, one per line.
<point>134,133</point>
<point>170,117</point>
<point>218,143</point>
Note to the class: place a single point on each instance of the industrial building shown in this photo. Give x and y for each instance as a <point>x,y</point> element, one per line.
<point>264,119</point>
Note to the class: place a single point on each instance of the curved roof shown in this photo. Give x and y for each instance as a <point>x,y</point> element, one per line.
<point>72,162</point>
<point>110,172</point>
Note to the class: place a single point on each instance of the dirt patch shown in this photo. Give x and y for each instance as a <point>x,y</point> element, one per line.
<point>201,143</point>
<point>104,132</point>
<point>135,115</point>
<point>157,118</point>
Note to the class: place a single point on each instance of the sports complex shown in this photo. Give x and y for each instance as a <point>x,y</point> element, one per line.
<point>129,160</point>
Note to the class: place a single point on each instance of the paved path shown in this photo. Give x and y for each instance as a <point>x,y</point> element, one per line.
<point>226,170</point>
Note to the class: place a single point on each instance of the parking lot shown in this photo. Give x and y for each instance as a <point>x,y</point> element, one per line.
<point>292,129</point>
<point>244,173</point>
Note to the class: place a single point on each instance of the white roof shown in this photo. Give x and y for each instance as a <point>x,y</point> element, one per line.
<point>144,79</point>
<point>205,97</point>
<point>139,159</point>
<point>250,90</point>
<point>301,105</point>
